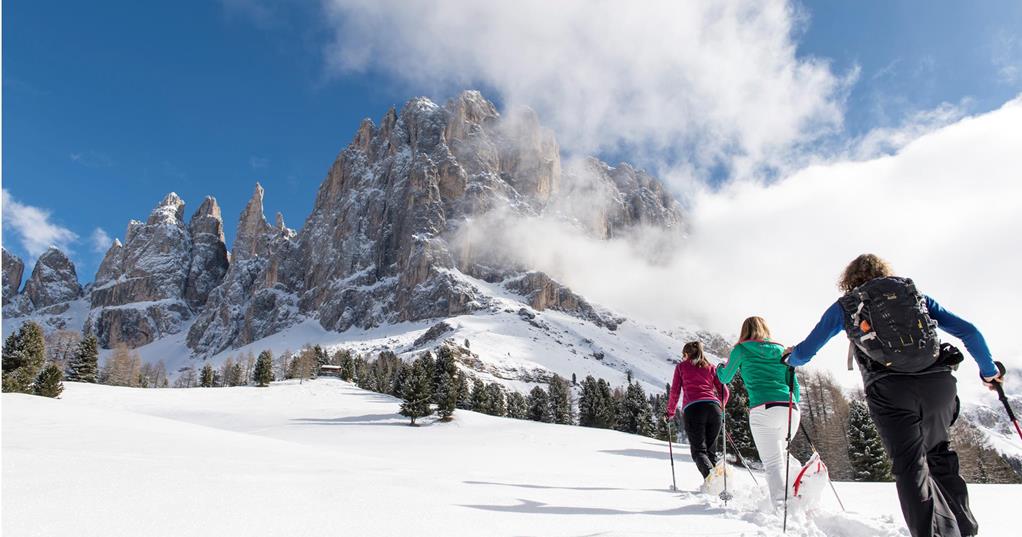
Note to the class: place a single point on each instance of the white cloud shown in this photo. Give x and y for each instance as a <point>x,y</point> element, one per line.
<point>946,210</point>
<point>701,83</point>
<point>258,163</point>
<point>33,227</point>
<point>1007,57</point>
<point>100,240</point>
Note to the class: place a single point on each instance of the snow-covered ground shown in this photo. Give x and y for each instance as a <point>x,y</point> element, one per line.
<point>326,458</point>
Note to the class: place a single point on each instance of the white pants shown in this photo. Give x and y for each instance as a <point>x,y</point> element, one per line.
<point>769,430</point>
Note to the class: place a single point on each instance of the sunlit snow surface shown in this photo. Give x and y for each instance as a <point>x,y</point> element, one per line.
<point>326,458</point>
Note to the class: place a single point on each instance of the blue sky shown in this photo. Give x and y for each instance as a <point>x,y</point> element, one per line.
<point>109,105</point>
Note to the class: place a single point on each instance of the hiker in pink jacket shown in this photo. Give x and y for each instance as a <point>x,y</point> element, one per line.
<point>702,405</point>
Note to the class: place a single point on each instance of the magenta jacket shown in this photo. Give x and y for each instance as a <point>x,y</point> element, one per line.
<point>700,384</point>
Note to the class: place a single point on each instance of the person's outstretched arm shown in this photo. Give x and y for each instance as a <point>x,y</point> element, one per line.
<point>672,402</point>
<point>968,333</point>
<point>830,325</point>
<point>734,361</point>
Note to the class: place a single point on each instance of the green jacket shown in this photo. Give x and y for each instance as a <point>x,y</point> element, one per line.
<point>762,371</point>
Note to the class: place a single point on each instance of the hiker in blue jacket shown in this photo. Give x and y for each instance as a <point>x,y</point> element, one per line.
<point>911,393</point>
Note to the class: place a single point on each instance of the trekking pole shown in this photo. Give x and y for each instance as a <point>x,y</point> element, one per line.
<point>725,495</point>
<point>1004,399</point>
<point>802,428</point>
<point>670,448</point>
<point>741,458</point>
<point>787,447</point>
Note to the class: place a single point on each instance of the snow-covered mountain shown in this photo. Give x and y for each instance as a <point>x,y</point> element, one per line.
<point>395,244</point>
<point>326,458</point>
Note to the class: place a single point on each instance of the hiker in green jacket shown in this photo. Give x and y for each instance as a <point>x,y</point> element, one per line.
<point>770,400</point>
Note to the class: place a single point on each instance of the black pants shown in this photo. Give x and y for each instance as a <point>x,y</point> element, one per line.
<point>913,415</point>
<point>702,426</point>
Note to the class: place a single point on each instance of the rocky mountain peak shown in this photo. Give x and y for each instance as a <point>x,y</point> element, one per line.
<point>170,210</point>
<point>53,280</point>
<point>13,270</point>
<point>253,230</point>
<point>209,261</point>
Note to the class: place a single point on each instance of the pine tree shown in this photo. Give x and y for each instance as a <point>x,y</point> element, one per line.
<point>416,392</point>
<point>464,392</point>
<point>445,383</point>
<point>49,382</point>
<point>344,359</point>
<point>517,407</point>
<point>24,353</point>
<point>588,403</point>
<point>84,364</point>
<point>559,394</point>
<point>207,378</point>
<point>446,396</point>
<point>865,449</point>
<point>539,405</point>
<point>497,406</point>
<point>635,415</point>
<point>264,369</point>
<point>738,419</point>
<point>596,404</point>
<point>480,398</point>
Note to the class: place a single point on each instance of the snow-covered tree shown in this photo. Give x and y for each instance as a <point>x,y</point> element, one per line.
<point>495,398</point>
<point>559,393</point>
<point>84,364</point>
<point>517,407</point>
<point>865,449</point>
<point>49,382</point>
<point>480,398</point>
<point>24,353</point>
<point>264,368</point>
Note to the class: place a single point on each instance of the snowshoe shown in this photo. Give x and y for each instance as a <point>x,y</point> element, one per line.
<point>714,483</point>
<point>810,482</point>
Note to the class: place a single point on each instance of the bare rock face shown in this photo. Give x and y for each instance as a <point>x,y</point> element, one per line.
<point>255,298</point>
<point>376,247</point>
<point>543,293</point>
<point>140,285</point>
<point>13,270</point>
<point>209,253</point>
<point>53,280</point>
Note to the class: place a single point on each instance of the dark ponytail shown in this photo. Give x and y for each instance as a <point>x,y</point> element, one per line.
<point>694,351</point>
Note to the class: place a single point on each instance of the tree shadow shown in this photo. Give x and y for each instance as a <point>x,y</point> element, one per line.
<point>649,454</point>
<point>540,508</point>
<point>551,487</point>
<point>367,419</point>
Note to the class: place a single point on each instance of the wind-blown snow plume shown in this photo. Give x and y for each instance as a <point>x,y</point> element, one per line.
<point>702,83</point>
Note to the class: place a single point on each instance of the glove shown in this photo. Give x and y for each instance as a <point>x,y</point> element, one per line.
<point>993,382</point>
<point>785,355</point>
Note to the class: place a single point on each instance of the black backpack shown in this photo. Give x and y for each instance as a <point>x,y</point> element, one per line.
<point>888,323</point>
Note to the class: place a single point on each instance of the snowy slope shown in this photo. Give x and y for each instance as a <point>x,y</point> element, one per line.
<point>514,343</point>
<point>325,458</point>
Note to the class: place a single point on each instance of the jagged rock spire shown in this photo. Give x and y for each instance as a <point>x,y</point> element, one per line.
<point>209,261</point>
<point>253,230</point>
<point>53,280</point>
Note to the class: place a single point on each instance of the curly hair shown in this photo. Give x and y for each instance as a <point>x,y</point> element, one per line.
<point>863,269</point>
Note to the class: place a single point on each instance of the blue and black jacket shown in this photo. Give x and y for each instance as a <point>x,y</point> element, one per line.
<point>833,322</point>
